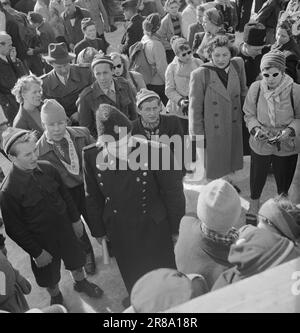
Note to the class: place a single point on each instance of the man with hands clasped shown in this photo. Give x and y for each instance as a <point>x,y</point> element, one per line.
<point>41,217</point>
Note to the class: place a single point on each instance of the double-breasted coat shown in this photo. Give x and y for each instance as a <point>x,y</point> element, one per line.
<point>216,113</point>
<point>138,210</point>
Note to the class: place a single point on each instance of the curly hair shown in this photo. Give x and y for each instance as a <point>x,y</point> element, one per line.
<point>220,41</point>
<point>125,62</point>
<point>23,85</point>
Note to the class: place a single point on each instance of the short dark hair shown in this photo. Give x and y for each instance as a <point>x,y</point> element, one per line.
<point>221,41</point>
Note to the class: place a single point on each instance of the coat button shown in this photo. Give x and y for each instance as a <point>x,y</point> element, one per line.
<point>144,191</point>
<point>215,103</point>
<point>115,211</point>
<point>99,175</point>
<point>144,183</point>
<point>235,108</point>
<point>145,174</point>
<point>216,126</point>
<point>138,179</point>
<point>216,115</point>
<point>108,198</point>
<point>144,211</point>
<point>101,184</point>
<point>144,198</point>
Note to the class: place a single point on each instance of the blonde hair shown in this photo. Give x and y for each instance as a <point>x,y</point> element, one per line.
<point>169,3</point>
<point>23,85</point>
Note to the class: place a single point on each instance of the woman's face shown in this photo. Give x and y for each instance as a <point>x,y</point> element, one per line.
<point>33,95</point>
<point>221,56</point>
<point>272,77</point>
<point>282,36</point>
<point>118,66</point>
<point>185,56</point>
<point>208,26</point>
<point>91,32</point>
<point>173,9</point>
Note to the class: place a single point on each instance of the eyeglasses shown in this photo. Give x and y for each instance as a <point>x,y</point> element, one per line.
<point>271,224</point>
<point>268,75</point>
<point>186,53</point>
<point>117,66</point>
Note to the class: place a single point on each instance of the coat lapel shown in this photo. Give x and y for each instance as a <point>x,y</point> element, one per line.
<point>218,86</point>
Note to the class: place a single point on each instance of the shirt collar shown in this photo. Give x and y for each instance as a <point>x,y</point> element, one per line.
<point>61,78</point>
<point>111,88</point>
<point>4,58</point>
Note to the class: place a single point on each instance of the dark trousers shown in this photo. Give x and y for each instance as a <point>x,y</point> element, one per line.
<point>160,90</point>
<point>243,12</point>
<point>283,168</point>
<point>78,196</point>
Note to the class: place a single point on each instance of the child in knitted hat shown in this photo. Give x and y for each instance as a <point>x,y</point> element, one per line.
<point>204,240</point>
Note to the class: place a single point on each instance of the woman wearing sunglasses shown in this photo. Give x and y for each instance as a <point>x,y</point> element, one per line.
<point>217,90</point>
<point>177,79</point>
<point>272,115</point>
<point>121,68</point>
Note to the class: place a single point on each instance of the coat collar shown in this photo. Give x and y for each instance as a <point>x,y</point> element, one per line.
<point>98,92</point>
<point>54,80</point>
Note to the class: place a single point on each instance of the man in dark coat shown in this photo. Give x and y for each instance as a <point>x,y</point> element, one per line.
<point>65,82</point>
<point>134,198</point>
<point>134,31</point>
<point>72,18</point>
<point>11,70</point>
<point>251,51</point>
<point>41,217</point>
<point>106,89</point>
<point>62,147</point>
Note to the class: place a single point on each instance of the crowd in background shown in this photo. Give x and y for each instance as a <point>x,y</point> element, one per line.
<point>222,75</point>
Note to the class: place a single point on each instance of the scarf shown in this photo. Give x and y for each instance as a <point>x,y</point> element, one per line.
<point>221,72</point>
<point>228,239</point>
<point>73,166</point>
<point>273,96</point>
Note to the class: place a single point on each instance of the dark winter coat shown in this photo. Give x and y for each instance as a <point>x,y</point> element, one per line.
<point>138,210</point>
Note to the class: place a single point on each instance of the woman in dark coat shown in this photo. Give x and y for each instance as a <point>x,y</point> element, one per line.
<point>138,209</point>
<point>285,43</point>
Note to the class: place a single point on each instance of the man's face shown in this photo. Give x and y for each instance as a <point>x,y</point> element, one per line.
<point>62,69</point>
<point>173,9</point>
<point>91,32</point>
<point>282,37</point>
<point>149,111</point>
<point>5,45</point>
<point>104,75</point>
<point>272,77</point>
<point>70,6</point>
<point>55,131</point>
<point>27,156</point>
<point>254,51</point>
<point>221,56</point>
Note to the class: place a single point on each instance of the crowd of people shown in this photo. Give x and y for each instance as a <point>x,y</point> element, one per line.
<point>104,138</point>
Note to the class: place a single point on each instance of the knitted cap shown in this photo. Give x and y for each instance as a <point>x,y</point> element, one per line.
<point>10,136</point>
<point>255,34</point>
<point>214,16</point>
<point>87,21</point>
<point>287,223</point>
<point>35,17</point>
<point>274,58</point>
<point>160,290</point>
<point>177,42</point>
<point>144,94</point>
<point>111,121</point>
<point>219,206</point>
<point>129,4</point>
<point>101,59</point>
<point>152,23</point>
<point>52,112</point>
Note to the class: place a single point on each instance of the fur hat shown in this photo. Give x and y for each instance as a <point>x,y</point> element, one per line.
<point>274,58</point>
<point>110,121</point>
<point>219,206</point>
<point>101,59</point>
<point>255,34</point>
<point>52,112</point>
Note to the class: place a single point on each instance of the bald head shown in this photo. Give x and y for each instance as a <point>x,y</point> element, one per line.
<point>5,43</point>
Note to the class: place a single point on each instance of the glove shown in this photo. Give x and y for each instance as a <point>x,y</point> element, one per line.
<point>44,259</point>
<point>260,134</point>
<point>78,228</point>
<point>286,134</point>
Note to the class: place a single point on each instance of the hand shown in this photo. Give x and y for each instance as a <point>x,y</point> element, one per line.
<point>261,135</point>
<point>71,46</point>
<point>99,239</point>
<point>30,52</point>
<point>75,117</point>
<point>78,228</point>
<point>285,134</point>
<point>43,259</point>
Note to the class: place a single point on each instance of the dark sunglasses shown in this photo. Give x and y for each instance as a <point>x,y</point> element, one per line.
<point>186,53</point>
<point>271,224</point>
<point>117,66</point>
<point>268,75</point>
